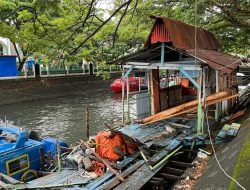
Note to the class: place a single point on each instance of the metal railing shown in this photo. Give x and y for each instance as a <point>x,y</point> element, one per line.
<point>68,70</point>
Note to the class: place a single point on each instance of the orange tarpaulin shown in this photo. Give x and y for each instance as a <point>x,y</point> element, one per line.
<point>106,146</point>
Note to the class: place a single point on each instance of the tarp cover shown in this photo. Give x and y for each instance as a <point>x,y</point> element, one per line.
<point>8,66</point>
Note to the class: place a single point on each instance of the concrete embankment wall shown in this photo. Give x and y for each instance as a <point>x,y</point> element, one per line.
<point>234,158</point>
<point>21,90</point>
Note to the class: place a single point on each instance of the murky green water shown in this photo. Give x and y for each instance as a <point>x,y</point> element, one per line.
<point>64,117</point>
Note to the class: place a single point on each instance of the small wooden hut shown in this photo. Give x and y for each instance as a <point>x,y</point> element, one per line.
<point>190,57</point>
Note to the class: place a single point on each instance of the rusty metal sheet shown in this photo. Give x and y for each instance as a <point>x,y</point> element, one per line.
<point>160,34</point>
<point>217,60</point>
<point>181,35</point>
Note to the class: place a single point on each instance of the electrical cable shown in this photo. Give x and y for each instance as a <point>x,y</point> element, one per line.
<point>209,133</point>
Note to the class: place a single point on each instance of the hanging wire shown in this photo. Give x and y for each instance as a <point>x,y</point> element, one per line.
<point>216,158</point>
<point>215,155</point>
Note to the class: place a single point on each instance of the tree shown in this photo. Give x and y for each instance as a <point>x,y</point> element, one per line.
<point>73,29</point>
<point>59,27</point>
<point>228,20</point>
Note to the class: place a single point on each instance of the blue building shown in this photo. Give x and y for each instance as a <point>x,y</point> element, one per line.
<point>8,66</point>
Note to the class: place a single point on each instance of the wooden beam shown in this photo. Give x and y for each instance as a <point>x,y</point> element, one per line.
<point>114,182</point>
<point>155,90</point>
<point>179,108</point>
<point>187,110</point>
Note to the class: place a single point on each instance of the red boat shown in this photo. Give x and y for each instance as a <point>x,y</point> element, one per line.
<point>116,86</point>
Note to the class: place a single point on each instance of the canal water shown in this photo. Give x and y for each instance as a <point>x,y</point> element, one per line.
<point>65,117</point>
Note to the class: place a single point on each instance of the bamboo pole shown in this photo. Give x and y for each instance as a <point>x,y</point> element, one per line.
<point>104,162</point>
<point>163,161</point>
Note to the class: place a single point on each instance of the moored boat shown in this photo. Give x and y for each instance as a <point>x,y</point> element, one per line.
<point>24,155</point>
<point>134,84</point>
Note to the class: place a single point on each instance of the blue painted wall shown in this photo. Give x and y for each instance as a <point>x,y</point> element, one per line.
<point>30,64</point>
<point>8,66</point>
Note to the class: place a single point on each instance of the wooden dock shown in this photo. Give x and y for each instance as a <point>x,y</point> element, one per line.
<point>155,163</point>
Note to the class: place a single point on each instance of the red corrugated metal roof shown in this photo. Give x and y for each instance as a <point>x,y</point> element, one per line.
<point>160,34</point>
<point>181,35</point>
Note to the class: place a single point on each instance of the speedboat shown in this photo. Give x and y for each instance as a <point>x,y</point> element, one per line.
<point>134,84</point>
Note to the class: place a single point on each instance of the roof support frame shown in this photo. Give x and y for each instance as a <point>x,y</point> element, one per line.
<point>174,65</point>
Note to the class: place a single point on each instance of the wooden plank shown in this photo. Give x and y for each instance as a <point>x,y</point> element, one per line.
<point>114,182</point>
<point>181,164</point>
<point>150,134</point>
<point>228,131</point>
<point>171,177</point>
<point>158,156</point>
<point>144,134</point>
<point>182,107</point>
<point>128,160</point>
<point>173,171</point>
<point>131,129</point>
<point>3,185</point>
<point>49,178</point>
<point>72,178</point>
<point>155,90</point>
<point>161,133</point>
<point>100,180</point>
<point>138,179</point>
<point>58,179</point>
<point>173,144</point>
<point>177,125</point>
<point>9,179</point>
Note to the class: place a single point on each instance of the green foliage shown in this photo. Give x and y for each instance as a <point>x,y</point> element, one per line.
<point>65,31</point>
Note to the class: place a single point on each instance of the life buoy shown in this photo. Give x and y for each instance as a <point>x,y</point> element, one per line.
<point>26,177</point>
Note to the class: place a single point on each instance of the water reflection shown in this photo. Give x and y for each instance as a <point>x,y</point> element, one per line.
<point>64,118</point>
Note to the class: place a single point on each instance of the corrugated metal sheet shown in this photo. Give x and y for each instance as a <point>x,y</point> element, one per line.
<point>217,60</point>
<point>142,105</point>
<point>160,34</point>
<point>181,35</point>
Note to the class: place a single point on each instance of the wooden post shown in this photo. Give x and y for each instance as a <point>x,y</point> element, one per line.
<point>87,122</point>
<point>156,107</point>
<point>200,114</point>
<point>59,156</point>
<point>123,96</point>
<point>217,111</point>
<point>168,88</point>
<point>128,108</point>
<point>139,84</point>
<point>25,70</point>
<point>149,93</point>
